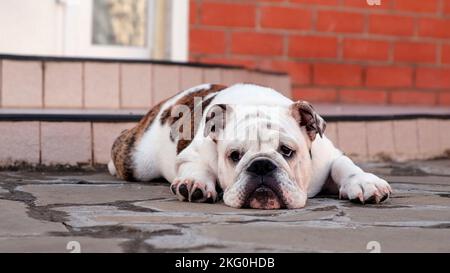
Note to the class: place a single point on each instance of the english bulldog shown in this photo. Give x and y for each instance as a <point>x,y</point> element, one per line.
<point>257,147</point>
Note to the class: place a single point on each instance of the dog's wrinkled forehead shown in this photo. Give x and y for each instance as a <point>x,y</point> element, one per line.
<point>255,122</point>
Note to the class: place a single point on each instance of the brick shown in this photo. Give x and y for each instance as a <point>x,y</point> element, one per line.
<point>415,52</point>
<point>285,18</point>
<point>63,85</point>
<point>427,77</point>
<point>396,25</point>
<point>358,49</point>
<point>236,61</point>
<point>190,77</point>
<point>405,139</point>
<point>331,132</point>
<point>228,14</point>
<point>136,86</point>
<point>445,54</point>
<point>300,73</point>
<point>432,27</point>
<point>444,133</point>
<point>380,140</point>
<point>353,139</point>
<point>446,7</point>
<point>101,85</point>
<point>206,41</point>
<point>337,74</point>
<point>19,142</point>
<point>66,143</point>
<point>444,98</point>
<point>418,6</point>
<point>429,144</point>
<point>413,98</point>
<point>389,76</point>
<point>317,2</point>
<point>166,82</point>
<point>312,47</point>
<point>362,96</point>
<point>257,44</point>
<point>315,94</point>
<point>192,12</point>
<point>21,84</point>
<point>337,21</point>
<point>212,75</point>
<point>104,135</point>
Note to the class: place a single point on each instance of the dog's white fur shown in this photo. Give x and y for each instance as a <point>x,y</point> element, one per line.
<point>204,162</point>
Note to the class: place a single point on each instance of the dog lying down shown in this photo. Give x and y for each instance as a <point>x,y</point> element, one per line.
<point>259,147</point>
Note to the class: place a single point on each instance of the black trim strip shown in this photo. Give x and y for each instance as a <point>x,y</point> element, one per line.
<point>140,61</point>
<point>135,117</point>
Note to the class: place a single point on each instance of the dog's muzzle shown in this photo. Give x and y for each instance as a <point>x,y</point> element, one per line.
<point>263,191</point>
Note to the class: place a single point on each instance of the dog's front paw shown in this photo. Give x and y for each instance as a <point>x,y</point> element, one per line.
<point>194,191</point>
<point>365,188</point>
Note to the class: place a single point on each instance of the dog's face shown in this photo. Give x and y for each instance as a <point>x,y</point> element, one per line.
<point>263,153</point>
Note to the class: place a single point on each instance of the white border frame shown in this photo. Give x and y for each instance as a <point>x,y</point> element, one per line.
<point>180,30</point>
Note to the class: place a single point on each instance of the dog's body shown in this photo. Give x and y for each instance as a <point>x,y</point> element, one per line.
<point>255,144</point>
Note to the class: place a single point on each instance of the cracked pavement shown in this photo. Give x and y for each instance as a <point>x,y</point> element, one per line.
<point>44,211</point>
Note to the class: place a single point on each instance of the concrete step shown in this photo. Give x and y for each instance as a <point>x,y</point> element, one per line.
<point>365,133</point>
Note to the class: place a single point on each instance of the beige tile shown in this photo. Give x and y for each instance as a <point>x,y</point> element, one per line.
<point>444,136</point>
<point>212,75</point>
<point>352,138</point>
<point>234,76</point>
<point>190,77</point>
<point>166,82</point>
<point>104,135</point>
<point>136,86</point>
<point>281,83</point>
<point>21,84</point>
<point>101,85</point>
<point>63,85</point>
<point>66,143</point>
<point>331,132</point>
<point>380,140</point>
<point>405,139</point>
<point>258,78</point>
<point>429,142</point>
<point>19,141</point>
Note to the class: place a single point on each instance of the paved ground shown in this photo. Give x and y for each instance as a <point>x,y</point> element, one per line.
<point>44,211</point>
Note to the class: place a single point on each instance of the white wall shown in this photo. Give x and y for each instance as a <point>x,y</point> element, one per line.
<point>29,27</point>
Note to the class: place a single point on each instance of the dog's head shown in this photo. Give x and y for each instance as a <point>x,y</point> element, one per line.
<point>264,153</point>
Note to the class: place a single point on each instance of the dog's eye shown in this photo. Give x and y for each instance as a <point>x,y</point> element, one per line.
<point>286,151</point>
<point>235,156</point>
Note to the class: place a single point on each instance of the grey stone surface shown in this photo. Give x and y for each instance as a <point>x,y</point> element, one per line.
<point>16,222</point>
<point>43,211</point>
<point>94,194</point>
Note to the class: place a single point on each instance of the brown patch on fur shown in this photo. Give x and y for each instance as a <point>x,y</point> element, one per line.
<point>124,145</point>
<point>189,101</point>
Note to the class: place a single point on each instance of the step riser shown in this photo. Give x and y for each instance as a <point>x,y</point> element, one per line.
<point>74,143</point>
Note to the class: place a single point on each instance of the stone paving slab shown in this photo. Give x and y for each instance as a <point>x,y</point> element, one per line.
<point>43,211</point>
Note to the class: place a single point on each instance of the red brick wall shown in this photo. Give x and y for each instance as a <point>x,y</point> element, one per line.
<point>335,50</point>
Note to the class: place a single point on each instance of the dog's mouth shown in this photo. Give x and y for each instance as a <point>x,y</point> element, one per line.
<point>264,196</point>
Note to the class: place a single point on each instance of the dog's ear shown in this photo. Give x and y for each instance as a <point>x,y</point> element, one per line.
<point>215,120</point>
<point>305,115</point>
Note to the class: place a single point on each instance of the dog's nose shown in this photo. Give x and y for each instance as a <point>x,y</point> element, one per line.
<point>261,167</point>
